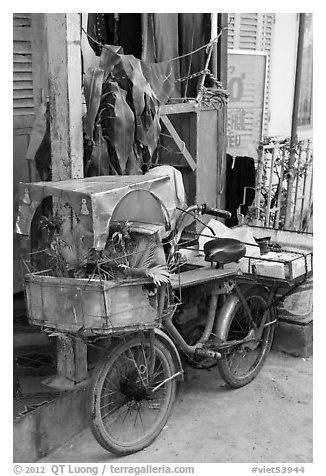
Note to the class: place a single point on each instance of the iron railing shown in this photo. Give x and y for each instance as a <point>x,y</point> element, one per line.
<point>276,178</point>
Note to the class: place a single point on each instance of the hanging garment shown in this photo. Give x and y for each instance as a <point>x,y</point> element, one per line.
<point>100,27</point>
<point>240,173</point>
<point>160,44</point>
<point>194,32</point>
<point>156,38</point>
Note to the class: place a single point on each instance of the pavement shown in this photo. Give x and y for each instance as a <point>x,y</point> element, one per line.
<point>268,421</point>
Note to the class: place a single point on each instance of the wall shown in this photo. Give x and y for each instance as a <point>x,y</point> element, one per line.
<point>282,73</point>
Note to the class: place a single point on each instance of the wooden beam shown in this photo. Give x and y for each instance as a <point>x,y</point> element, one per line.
<point>39,60</point>
<point>180,144</point>
<point>180,108</point>
<point>222,49</point>
<point>222,70</point>
<point>65,97</point>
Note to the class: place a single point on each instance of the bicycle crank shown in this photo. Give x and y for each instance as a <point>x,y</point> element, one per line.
<point>212,354</point>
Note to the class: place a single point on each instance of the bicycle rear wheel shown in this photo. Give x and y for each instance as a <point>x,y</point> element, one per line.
<point>240,363</point>
<point>131,396</point>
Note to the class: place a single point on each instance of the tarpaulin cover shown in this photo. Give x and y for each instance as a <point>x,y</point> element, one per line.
<point>96,199</point>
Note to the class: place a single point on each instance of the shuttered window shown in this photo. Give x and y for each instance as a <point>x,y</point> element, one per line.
<point>253,31</point>
<point>23,105</point>
<point>248,31</point>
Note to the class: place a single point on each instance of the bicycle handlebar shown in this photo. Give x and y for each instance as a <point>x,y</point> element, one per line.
<point>214,212</point>
<point>202,209</point>
<point>205,210</point>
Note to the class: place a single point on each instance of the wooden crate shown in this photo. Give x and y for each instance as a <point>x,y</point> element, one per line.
<point>92,306</point>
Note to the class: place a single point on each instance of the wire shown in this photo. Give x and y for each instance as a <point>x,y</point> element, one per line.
<point>214,40</point>
<point>191,213</point>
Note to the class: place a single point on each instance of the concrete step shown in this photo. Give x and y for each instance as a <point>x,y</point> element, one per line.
<point>50,425</point>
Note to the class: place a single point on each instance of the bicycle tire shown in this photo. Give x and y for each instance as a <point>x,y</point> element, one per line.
<point>238,326</point>
<point>123,363</point>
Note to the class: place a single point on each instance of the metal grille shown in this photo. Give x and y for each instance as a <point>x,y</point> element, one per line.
<point>272,187</point>
<point>33,362</point>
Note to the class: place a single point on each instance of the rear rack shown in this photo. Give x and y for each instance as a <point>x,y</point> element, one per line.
<point>286,268</point>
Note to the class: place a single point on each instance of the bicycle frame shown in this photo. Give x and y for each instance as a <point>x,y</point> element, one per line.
<point>215,324</point>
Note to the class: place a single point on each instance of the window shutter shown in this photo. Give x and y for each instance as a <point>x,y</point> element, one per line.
<point>253,31</point>
<point>231,31</point>
<point>248,31</point>
<point>23,104</point>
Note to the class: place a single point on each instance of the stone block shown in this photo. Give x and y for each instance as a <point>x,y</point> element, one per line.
<point>294,338</point>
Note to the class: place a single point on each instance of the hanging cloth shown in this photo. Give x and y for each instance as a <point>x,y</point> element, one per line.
<point>194,32</point>
<point>240,173</point>
<point>157,38</point>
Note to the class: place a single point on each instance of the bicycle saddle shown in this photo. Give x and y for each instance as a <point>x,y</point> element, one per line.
<point>224,250</point>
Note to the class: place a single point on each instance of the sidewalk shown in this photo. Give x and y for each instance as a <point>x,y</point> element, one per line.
<point>268,421</point>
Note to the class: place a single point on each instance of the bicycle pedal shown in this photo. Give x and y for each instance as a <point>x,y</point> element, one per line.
<point>202,352</point>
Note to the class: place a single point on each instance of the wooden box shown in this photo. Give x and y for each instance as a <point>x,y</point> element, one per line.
<point>90,306</point>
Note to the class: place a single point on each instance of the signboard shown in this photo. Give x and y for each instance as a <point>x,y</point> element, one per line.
<point>246,86</point>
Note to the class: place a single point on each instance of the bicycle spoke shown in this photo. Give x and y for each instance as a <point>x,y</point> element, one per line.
<point>115,388</point>
<point>106,395</point>
<point>112,411</point>
<point>159,370</point>
<point>137,414</point>
<point>127,412</point>
<point>122,371</point>
<point>106,405</point>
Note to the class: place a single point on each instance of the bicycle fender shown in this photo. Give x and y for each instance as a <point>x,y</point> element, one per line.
<point>225,315</point>
<point>168,342</point>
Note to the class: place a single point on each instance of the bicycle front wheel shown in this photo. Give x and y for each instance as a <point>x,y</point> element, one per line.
<point>241,362</point>
<point>131,395</point>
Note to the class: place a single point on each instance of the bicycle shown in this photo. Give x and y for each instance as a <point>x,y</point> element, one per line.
<point>133,386</point>
<point>202,313</point>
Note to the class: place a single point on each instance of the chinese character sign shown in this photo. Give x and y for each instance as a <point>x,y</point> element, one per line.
<point>246,87</point>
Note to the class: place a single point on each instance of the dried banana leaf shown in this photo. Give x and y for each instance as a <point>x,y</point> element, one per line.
<point>148,136</point>
<point>99,163</point>
<point>93,81</point>
<point>127,66</point>
<point>109,58</point>
<point>133,163</point>
<point>120,98</point>
<point>161,78</point>
<point>118,122</point>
